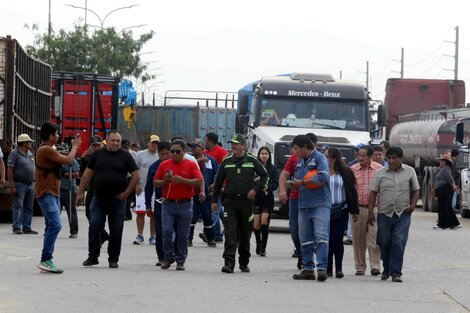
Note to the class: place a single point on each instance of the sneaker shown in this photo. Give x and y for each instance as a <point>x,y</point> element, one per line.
<point>397,279</point>
<point>211,243</point>
<point>166,264</point>
<point>304,275</point>
<point>17,231</point>
<point>385,275</point>
<point>347,242</point>
<point>90,262</point>
<point>30,232</point>
<point>227,269</point>
<point>322,276</point>
<point>139,240</point>
<point>113,265</point>
<point>244,269</point>
<point>339,274</point>
<point>152,240</point>
<point>73,236</point>
<point>49,266</point>
<point>203,237</point>
<point>180,267</point>
<point>456,227</point>
<point>375,272</point>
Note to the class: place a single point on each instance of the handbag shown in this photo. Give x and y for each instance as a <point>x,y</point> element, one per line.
<point>336,211</point>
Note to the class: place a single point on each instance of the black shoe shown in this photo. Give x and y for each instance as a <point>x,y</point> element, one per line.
<point>90,262</point>
<point>299,264</point>
<point>203,237</point>
<point>304,275</point>
<point>262,253</point>
<point>359,273</point>
<point>348,242</point>
<point>397,279</point>
<point>295,255</point>
<point>385,275</point>
<point>190,243</point>
<point>339,274</point>
<point>113,265</point>
<point>258,249</point>
<point>166,264</point>
<point>17,231</point>
<point>30,232</point>
<point>180,267</point>
<point>322,275</point>
<point>159,263</point>
<point>375,272</point>
<point>227,269</point>
<point>244,268</point>
<point>211,243</point>
<point>329,273</point>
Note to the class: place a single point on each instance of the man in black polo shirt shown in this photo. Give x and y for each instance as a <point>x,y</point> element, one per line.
<point>21,177</point>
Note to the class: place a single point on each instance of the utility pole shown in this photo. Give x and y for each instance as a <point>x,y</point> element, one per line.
<point>49,24</point>
<point>402,68</point>
<point>367,75</point>
<point>456,54</point>
<point>340,74</point>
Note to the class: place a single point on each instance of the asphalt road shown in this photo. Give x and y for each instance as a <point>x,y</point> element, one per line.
<point>436,277</point>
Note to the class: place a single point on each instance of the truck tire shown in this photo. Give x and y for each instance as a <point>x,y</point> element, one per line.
<point>465,213</point>
<point>425,190</point>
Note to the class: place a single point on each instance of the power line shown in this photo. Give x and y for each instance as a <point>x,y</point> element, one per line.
<point>432,67</point>
<point>427,58</point>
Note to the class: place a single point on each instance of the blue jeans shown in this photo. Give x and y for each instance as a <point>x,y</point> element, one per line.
<point>22,210</point>
<point>157,210</point>
<point>114,209</point>
<point>50,205</point>
<point>294,224</point>
<point>216,218</point>
<point>392,235</point>
<point>203,209</point>
<point>179,214</point>
<point>314,231</point>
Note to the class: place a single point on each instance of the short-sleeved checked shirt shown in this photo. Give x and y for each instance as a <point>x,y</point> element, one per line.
<point>363,179</point>
<point>393,189</point>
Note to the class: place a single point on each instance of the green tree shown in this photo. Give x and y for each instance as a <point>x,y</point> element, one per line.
<point>103,51</point>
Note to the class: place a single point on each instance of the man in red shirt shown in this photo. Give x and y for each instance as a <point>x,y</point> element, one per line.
<point>211,144</point>
<point>178,176</point>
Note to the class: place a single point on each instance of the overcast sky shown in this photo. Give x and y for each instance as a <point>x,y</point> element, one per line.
<point>224,45</point>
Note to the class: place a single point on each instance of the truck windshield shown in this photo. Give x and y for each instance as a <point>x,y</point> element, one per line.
<point>310,113</point>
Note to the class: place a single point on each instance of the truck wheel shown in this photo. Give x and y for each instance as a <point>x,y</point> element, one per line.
<point>465,213</point>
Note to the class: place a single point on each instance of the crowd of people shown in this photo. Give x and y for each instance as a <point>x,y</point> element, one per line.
<point>175,183</point>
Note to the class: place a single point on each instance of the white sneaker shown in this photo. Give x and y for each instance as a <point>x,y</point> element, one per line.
<point>139,240</point>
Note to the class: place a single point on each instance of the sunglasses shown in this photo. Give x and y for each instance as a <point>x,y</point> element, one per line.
<point>175,151</point>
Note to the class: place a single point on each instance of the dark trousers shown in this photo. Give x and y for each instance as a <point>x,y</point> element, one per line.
<point>88,198</point>
<point>100,208</point>
<point>336,246</point>
<point>157,210</point>
<point>238,223</point>
<point>445,212</point>
<point>204,210</point>
<point>68,201</point>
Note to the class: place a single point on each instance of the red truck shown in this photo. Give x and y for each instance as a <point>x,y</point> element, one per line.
<point>85,103</point>
<point>406,96</point>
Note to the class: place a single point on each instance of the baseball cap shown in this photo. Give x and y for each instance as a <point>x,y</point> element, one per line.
<point>125,142</point>
<point>359,146</point>
<point>96,140</point>
<point>196,142</point>
<point>154,138</point>
<point>62,148</point>
<point>238,138</point>
<point>24,138</point>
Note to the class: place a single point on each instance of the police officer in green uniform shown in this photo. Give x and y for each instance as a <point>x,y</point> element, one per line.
<point>238,169</point>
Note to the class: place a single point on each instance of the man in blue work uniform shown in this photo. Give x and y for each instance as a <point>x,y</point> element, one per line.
<point>238,169</point>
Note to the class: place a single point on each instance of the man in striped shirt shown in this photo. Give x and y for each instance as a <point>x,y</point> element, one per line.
<point>364,235</point>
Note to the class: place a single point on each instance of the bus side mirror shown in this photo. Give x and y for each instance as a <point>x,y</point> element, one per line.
<point>459,134</point>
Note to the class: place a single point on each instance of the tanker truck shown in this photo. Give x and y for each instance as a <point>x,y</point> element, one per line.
<point>423,137</point>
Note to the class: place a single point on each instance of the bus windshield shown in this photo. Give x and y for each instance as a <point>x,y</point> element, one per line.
<point>308,113</point>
